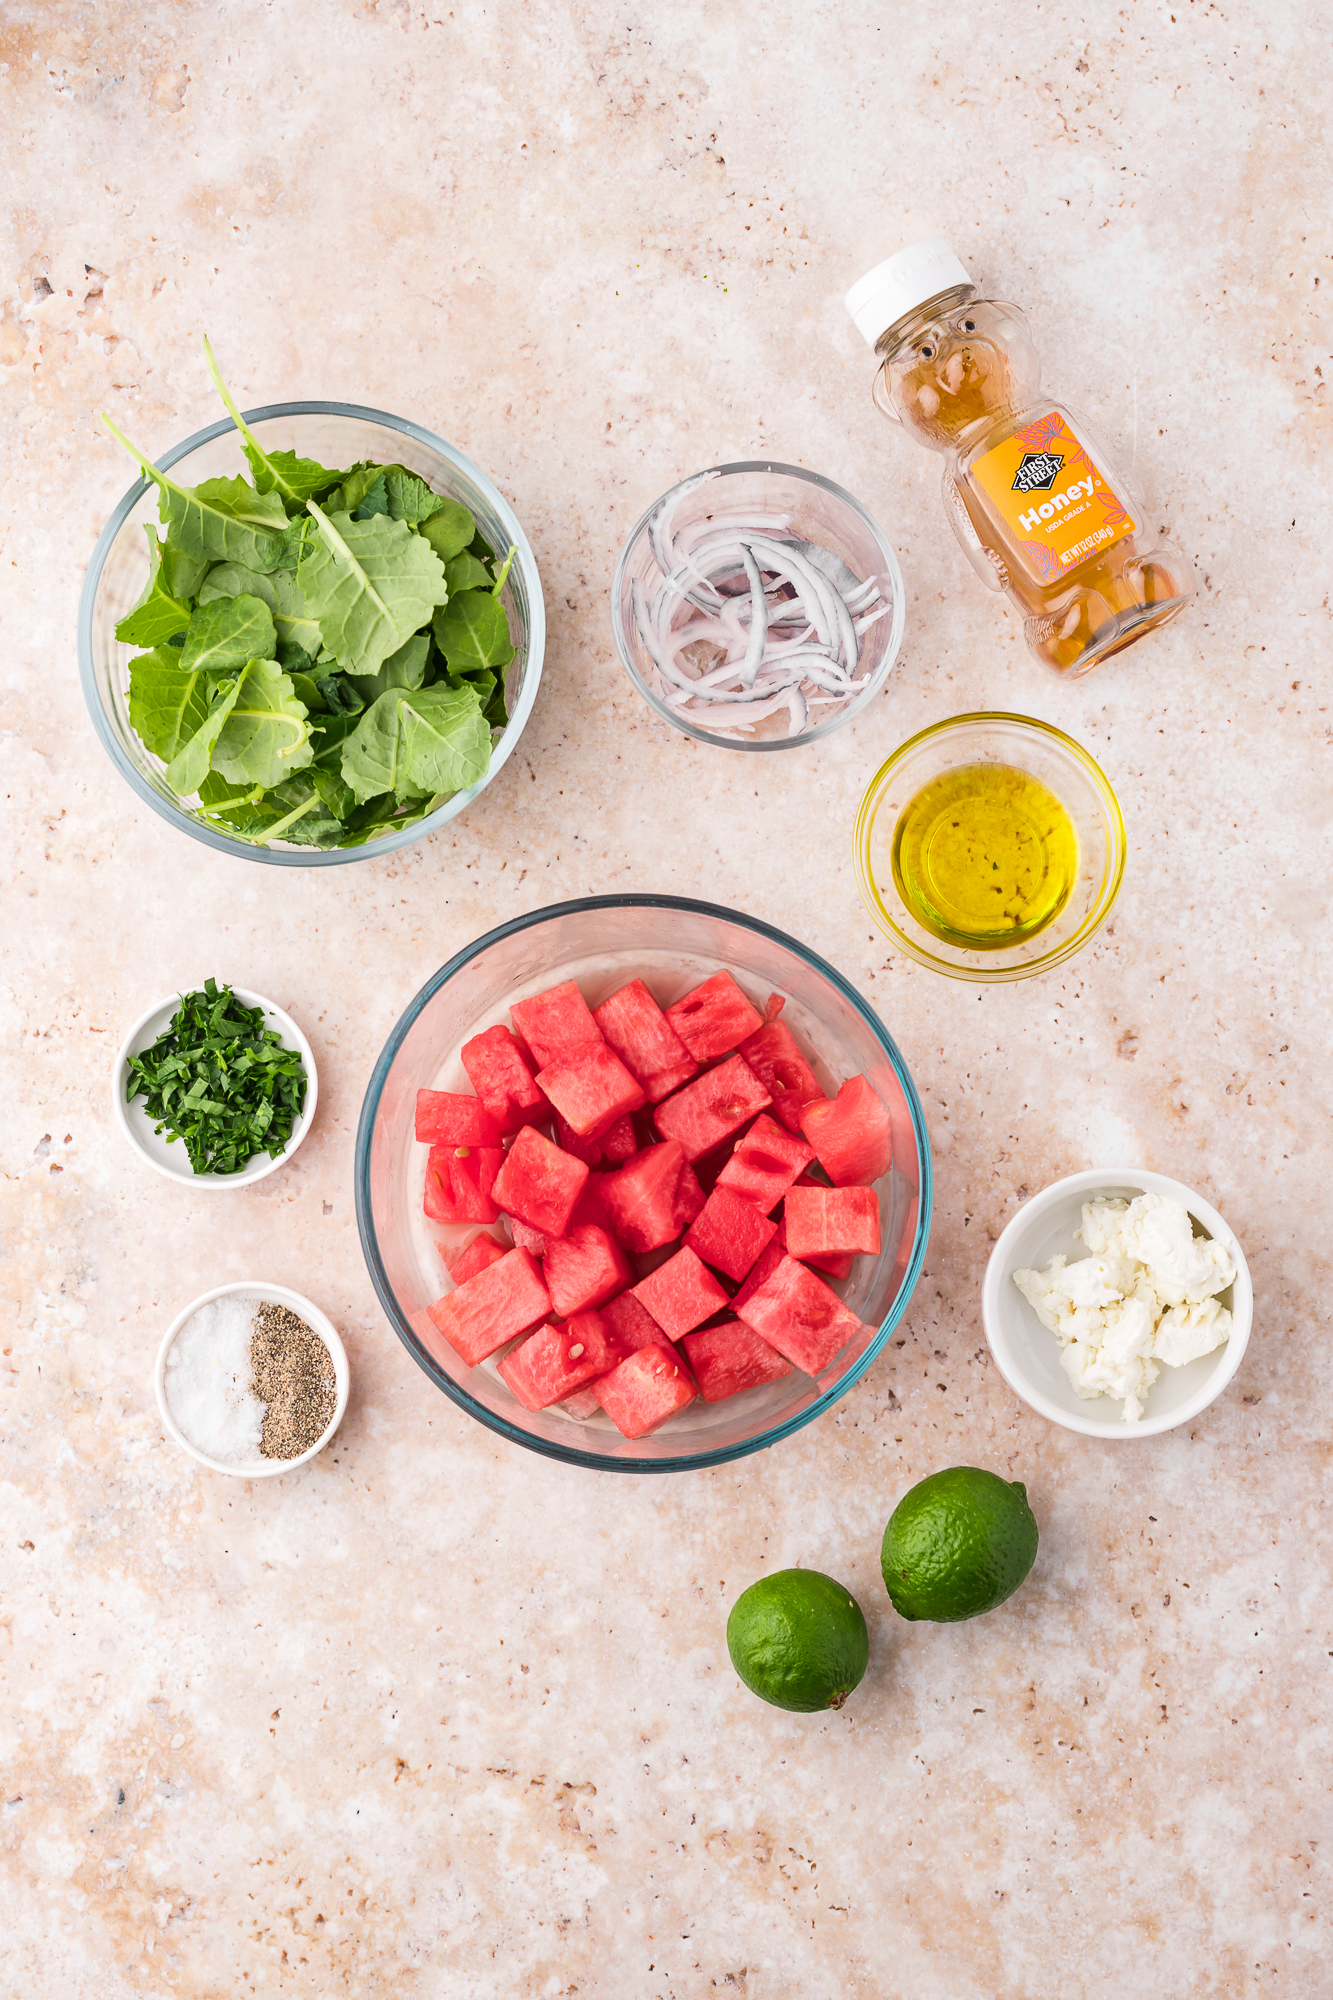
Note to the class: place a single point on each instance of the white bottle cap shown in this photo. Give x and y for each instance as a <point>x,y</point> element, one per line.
<point>901,283</point>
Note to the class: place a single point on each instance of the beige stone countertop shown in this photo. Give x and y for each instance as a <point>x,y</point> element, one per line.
<point>435,1718</point>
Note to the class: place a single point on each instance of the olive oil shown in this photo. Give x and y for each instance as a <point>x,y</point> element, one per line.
<point>985,856</point>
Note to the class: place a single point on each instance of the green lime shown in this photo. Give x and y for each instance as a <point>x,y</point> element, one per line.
<point>798,1640</point>
<point>958,1544</point>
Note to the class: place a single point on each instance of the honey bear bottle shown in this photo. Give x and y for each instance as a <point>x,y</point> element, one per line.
<point>1034,498</point>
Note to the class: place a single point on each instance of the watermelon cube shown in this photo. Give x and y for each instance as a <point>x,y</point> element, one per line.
<point>584,1268</point>
<point>498,1072</point>
<point>568,1140</point>
<point>490,1308</point>
<point>730,1232</point>
<point>481,1252</point>
<point>459,1180</point>
<point>535,1240</point>
<point>556,1360</point>
<point>632,1324</point>
<point>767,1264</point>
<point>765,1163</point>
<point>643,1038</point>
<point>590,1089</point>
<point>827,1222</point>
<point>715,1018</point>
<point>776,1059</point>
<point>731,1357</point>
<point>644,1197</point>
<point>796,1312</point>
<point>713,1108</point>
<point>556,1024</point>
<point>646,1389</point>
<point>539,1184</point>
<point>619,1142</point>
<point>851,1135</point>
<point>774,1005</point>
<point>833,1263</point>
<point>452,1118</point>
<point>680,1294</point>
<point>591,1206</point>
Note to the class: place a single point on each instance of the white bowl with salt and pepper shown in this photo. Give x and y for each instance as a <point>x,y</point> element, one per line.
<point>1028,1355</point>
<point>258,1293</point>
<point>169,1157</point>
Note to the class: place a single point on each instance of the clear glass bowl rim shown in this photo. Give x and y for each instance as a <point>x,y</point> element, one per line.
<point>853,708</point>
<point>568,1454</point>
<point>1092,923</point>
<point>331,857</point>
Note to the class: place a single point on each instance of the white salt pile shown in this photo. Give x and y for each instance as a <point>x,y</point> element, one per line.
<point>209,1381</point>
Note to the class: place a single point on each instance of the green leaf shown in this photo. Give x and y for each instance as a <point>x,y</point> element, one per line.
<point>502,574</point>
<point>496,711</point>
<point>294,479</point>
<point>479,546</point>
<point>294,623</point>
<point>159,613</point>
<point>357,482</point>
<point>404,669</point>
<point>307,690</point>
<point>267,736</point>
<point>466,573</point>
<point>166,706</point>
<point>328,733</point>
<point>227,632</point>
<point>235,580</point>
<point>449,529</point>
<point>182,574</point>
<point>410,498</point>
<point>338,692</point>
<point>415,741</point>
<point>189,767</point>
<point>292,541</point>
<point>471,630</point>
<point>338,798</point>
<point>376,501</point>
<point>216,792</point>
<point>224,520</point>
<point>369,585</point>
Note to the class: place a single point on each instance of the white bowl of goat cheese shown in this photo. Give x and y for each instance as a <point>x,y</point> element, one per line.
<point>1118,1303</point>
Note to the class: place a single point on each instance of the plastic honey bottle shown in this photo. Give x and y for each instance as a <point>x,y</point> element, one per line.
<point>1035,499</point>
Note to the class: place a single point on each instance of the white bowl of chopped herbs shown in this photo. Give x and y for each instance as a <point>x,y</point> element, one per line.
<point>311,633</point>
<point>216,1086</point>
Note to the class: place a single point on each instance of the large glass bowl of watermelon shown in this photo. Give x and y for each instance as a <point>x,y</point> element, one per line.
<point>642,1184</point>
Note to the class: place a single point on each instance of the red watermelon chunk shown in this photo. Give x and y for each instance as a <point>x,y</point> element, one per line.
<point>568,1140</point>
<point>535,1240</point>
<point>459,1181</point>
<point>715,1018</point>
<point>556,1024</point>
<point>730,1233</point>
<point>765,1163</point>
<point>829,1222</point>
<point>453,1118</point>
<point>834,1263</point>
<point>644,1197</point>
<point>774,1005</point>
<point>680,1294</point>
<point>851,1135</point>
<point>731,1357</point>
<point>539,1184</point>
<point>767,1264</point>
<point>712,1108</point>
<point>646,1389</point>
<point>584,1268</point>
<point>556,1360</point>
<point>490,1308</point>
<point>643,1038</point>
<point>796,1312</point>
<point>632,1324</point>
<point>620,1142</point>
<point>481,1252</point>
<point>591,1206</point>
<point>776,1059</point>
<point>590,1089</point>
<point>500,1076</point>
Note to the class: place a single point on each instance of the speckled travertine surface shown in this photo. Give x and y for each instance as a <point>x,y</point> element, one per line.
<point>435,1718</point>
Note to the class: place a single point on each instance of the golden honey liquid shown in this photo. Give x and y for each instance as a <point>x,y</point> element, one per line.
<point>985,856</point>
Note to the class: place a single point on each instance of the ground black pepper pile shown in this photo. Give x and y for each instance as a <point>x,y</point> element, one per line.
<point>294,1379</point>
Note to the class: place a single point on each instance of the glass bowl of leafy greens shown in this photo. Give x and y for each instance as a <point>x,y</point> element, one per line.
<point>310,633</point>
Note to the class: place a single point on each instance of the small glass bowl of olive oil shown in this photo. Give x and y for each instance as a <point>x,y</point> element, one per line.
<point>990,847</point>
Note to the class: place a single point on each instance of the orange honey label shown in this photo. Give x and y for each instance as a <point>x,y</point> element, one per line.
<point>1058,505</point>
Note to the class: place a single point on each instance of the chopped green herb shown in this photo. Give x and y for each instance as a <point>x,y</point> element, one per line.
<point>221,1081</point>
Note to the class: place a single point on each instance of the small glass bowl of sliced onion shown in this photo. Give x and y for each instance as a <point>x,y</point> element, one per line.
<point>757,606</point>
